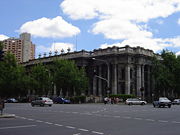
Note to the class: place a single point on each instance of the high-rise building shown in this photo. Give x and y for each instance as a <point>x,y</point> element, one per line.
<point>22,47</point>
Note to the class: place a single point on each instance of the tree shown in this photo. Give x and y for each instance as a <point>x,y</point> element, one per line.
<point>69,78</point>
<point>166,73</point>
<point>12,77</point>
<point>1,51</point>
<point>41,81</point>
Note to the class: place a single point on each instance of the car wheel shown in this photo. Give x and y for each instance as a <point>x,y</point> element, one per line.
<point>50,105</point>
<point>169,106</point>
<point>143,103</point>
<point>41,104</point>
<point>154,105</point>
<point>32,105</point>
<point>130,104</point>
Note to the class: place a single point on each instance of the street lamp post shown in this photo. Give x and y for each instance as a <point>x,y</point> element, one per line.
<point>108,72</point>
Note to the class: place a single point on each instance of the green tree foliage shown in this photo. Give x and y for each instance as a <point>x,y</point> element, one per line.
<point>41,81</point>
<point>166,74</point>
<point>12,77</point>
<point>69,78</point>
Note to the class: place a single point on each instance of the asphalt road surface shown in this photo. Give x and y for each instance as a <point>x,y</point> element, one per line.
<point>90,119</point>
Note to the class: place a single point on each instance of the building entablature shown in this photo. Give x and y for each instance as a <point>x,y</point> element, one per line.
<point>96,53</point>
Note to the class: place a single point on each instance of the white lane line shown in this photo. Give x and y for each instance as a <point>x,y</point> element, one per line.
<point>77,134</point>
<point>23,118</point>
<point>163,121</point>
<point>138,118</point>
<point>97,133</point>
<point>48,123</point>
<point>18,127</point>
<point>30,119</point>
<point>70,127</point>
<point>127,117</point>
<point>149,119</point>
<point>176,122</point>
<point>75,112</point>
<point>81,129</point>
<point>58,125</point>
<point>39,121</point>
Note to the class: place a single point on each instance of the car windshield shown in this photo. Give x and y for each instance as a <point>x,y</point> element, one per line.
<point>163,99</point>
<point>46,99</point>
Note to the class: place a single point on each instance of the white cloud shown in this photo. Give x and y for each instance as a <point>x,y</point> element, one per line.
<point>178,53</point>
<point>117,29</point>
<point>175,42</point>
<point>138,10</point>
<point>3,37</point>
<point>123,19</point>
<point>148,43</point>
<point>179,21</point>
<point>60,46</point>
<point>160,22</point>
<point>45,27</point>
<point>54,47</point>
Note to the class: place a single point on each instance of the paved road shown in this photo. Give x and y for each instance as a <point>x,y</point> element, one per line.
<point>90,119</point>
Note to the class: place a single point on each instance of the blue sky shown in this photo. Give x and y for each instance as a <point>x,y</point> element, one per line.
<point>93,24</point>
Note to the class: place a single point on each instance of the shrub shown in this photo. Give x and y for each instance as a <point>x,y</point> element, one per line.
<point>78,99</point>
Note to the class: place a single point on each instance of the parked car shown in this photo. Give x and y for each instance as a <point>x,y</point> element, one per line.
<point>42,101</point>
<point>135,101</point>
<point>176,102</point>
<point>162,102</point>
<point>11,100</point>
<point>60,100</point>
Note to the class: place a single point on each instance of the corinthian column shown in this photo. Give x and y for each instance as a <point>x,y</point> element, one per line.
<point>138,79</point>
<point>114,90</point>
<point>100,82</point>
<point>127,79</point>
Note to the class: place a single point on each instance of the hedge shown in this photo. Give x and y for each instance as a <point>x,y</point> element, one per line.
<point>122,96</point>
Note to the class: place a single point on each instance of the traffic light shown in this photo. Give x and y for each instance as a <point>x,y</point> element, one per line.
<point>1,55</point>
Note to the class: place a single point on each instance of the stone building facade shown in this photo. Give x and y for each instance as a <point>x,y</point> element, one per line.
<point>116,70</point>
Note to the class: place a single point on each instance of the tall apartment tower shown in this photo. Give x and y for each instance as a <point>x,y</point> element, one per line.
<point>22,47</point>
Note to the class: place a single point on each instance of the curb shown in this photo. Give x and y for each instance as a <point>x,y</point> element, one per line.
<point>8,116</point>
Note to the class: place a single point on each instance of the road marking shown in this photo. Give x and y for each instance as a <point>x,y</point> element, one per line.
<point>58,125</point>
<point>48,123</point>
<point>164,121</point>
<point>97,133</point>
<point>30,119</point>
<point>81,129</point>
<point>176,122</point>
<point>149,119</point>
<point>70,127</point>
<point>17,127</point>
<point>127,117</point>
<point>138,118</point>
<point>77,134</point>
<point>39,121</point>
<point>23,118</point>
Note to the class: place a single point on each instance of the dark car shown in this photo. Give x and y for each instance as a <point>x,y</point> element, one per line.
<point>60,100</point>
<point>42,101</point>
<point>11,100</point>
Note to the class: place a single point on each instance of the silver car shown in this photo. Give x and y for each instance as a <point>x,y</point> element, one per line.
<point>135,101</point>
<point>42,101</point>
<point>176,102</point>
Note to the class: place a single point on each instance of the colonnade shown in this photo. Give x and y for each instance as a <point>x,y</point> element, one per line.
<point>123,79</point>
